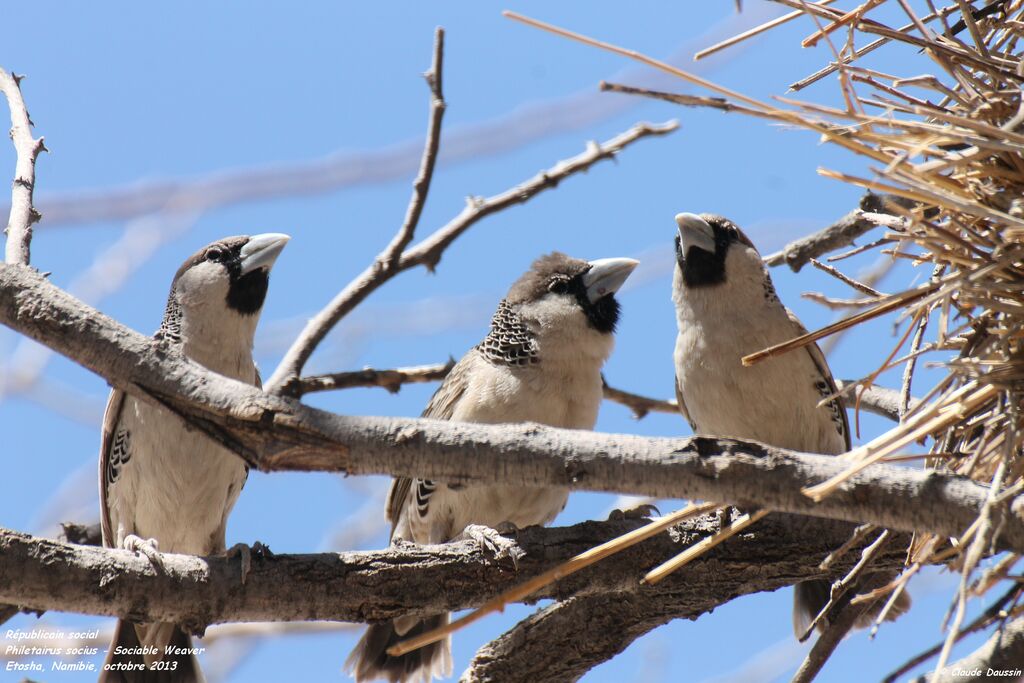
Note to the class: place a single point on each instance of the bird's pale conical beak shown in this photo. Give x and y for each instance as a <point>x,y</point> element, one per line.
<point>606,275</point>
<point>694,231</point>
<point>262,250</point>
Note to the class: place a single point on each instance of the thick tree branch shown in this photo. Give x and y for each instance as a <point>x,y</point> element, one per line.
<point>429,251</point>
<point>276,433</point>
<point>23,213</point>
<point>564,641</point>
<point>44,574</point>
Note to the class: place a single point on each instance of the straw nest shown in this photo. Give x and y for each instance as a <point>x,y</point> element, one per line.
<point>948,146</point>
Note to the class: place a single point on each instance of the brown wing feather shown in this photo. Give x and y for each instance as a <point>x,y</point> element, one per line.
<point>440,407</point>
<point>682,406</point>
<point>111,416</point>
<point>814,351</point>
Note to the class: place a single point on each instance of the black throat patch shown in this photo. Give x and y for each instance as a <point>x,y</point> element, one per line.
<point>602,314</point>
<point>704,269</point>
<point>246,293</point>
<point>509,341</point>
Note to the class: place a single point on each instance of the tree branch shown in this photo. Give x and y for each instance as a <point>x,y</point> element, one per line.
<point>563,641</point>
<point>386,265</point>
<point>45,574</point>
<point>842,233</point>
<point>277,433</point>
<point>392,380</point>
<point>874,399</point>
<point>428,252</point>
<point>23,213</point>
<point>421,186</point>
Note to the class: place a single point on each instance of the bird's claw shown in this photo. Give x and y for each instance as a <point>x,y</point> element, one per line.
<point>246,553</point>
<point>643,511</point>
<point>491,541</point>
<point>262,551</point>
<point>147,547</point>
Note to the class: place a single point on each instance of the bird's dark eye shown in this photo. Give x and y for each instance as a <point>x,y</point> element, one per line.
<point>558,285</point>
<point>214,254</point>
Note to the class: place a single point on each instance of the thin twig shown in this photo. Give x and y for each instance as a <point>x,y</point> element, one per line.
<point>428,252</point>
<point>858,535</point>
<point>386,265</point>
<point>640,405</point>
<point>827,643</point>
<point>846,279</point>
<point>874,399</point>
<point>392,379</point>
<point>839,588</point>
<point>23,213</point>
<point>421,186</point>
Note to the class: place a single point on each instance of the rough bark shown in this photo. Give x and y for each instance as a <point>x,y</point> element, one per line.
<point>276,433</point>
<point>43,574</point>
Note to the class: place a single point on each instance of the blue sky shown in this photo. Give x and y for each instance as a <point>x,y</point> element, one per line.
<point>138,93</point>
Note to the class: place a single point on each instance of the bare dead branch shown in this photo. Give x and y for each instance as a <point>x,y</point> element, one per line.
<point>827,643</point>
<point>421,186</point>
<point>386,265</point>
<point>23,213</point>
<point>428,252</point>
<point>874,399</point>
<point>377,585</point>
<point>392,380</point>
<point>842,233</point>
<point>277,433</point>
<point>640,405</point>
<point>565,640</point>
<point>846,279</point>
<point>840,613</point>
<point>719,103</point>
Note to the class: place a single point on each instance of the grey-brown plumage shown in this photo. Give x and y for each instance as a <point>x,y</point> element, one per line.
<point>163,485</point>
<point>726,308</point>
<point>541,362</point>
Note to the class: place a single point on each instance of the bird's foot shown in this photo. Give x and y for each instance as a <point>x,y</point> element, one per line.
<point>245,554</point>
<point>643,511</point>
<point>491,541</point>
<point>145,546</point>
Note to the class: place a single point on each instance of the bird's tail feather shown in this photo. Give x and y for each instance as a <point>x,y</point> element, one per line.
<point>370,661</point>
<point>126,664</point>
<point>810,597</point>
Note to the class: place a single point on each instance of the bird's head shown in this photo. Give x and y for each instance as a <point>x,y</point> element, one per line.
<point>566,302</point>
<point>223,285</point>
<point>232,273</point>
<point>712,250</point>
